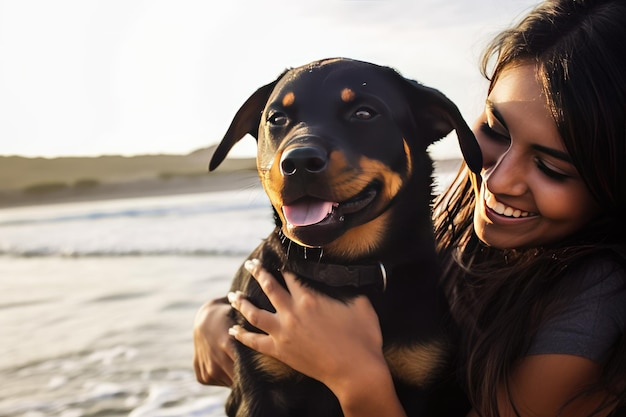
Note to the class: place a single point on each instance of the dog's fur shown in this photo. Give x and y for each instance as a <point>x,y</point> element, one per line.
<point>350,139</point>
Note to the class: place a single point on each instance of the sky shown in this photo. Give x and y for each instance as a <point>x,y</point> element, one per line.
<point>129,77</point>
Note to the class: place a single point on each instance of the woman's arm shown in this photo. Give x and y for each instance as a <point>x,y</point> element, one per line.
<point>542,385</point>
<point>213,354</point>
<point>339,344</point>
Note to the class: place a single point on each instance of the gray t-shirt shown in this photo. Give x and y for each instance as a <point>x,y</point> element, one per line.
<point>591,325</point>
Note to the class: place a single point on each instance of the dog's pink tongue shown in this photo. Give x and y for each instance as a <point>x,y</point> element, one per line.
<point>307,212</point>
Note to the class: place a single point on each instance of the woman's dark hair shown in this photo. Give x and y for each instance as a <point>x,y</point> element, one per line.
<point>579,48</point>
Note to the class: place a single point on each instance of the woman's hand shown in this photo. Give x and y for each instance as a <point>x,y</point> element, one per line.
<point>337,343</point>
<point>213,348</point>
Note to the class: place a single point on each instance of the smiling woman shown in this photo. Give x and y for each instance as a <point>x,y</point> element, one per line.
<point>553,139</point>
<point>531,194</point>
<point>532,246</point>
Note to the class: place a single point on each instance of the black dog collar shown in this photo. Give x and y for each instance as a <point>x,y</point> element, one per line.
<point>342,275</point>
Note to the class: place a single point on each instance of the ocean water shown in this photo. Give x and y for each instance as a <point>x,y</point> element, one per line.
<point>97,301</point>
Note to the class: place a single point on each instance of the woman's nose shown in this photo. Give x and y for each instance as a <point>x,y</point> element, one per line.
<point>506,174</point>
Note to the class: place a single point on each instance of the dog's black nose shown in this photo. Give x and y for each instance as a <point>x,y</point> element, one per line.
<point>310,159</point>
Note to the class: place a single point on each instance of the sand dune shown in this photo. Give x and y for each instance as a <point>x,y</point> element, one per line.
<point>28,181</point>
<point>25,181</point>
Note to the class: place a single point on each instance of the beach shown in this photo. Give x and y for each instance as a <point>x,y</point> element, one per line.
<point>98,298</point>
<point>106,336</point>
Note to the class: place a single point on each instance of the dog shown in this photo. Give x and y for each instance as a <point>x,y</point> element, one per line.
<point>342,156</point>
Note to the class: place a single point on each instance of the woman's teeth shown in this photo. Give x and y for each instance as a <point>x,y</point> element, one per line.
<point>503,210</point>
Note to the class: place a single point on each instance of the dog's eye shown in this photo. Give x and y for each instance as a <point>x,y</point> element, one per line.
<point>364,113</point>
<point>278,119</point>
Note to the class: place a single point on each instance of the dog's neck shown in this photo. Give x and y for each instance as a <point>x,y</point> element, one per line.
<point>335,275</point>
<point>312,264</point>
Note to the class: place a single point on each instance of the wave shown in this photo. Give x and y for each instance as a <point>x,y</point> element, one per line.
<point>121,253</point>
<point>142,212</point>
<point>217,224</point>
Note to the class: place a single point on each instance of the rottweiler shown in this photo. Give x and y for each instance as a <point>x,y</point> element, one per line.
<point>342,155</point>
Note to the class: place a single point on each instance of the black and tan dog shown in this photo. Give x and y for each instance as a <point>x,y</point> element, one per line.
<point>342,155</point>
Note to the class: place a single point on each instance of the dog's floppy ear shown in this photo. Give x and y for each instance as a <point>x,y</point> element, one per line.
<point>246,121</point>
<point>447,117</point>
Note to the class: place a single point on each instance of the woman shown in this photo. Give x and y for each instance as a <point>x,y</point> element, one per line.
<point>533,248</point>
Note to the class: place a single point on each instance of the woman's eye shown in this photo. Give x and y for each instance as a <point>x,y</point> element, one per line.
<point>494,134</point>
<point>278,119</point>
<point>364,113</point>
<point>549,172</point>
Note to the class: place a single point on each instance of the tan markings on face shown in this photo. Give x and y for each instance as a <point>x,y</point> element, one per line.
<point>347,95</point>
<point>273,367</point>
<point>392,181</point>
<point>347,181</point>
<point>272,182</point>
<point>359,240</point>
<point>409,159</point>
<point>341,174</point>
<point>289,99</point>
<point>416,364</point>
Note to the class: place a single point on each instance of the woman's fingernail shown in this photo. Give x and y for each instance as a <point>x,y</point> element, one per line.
<point>232,298</point>
<point>250,264</point>
<point>234,330</point>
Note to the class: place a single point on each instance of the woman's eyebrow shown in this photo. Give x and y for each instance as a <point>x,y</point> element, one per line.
<point>563,156</point>
<point>491,107</point>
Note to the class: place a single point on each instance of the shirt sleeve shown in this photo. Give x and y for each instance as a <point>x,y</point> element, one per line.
<point>592,324</point>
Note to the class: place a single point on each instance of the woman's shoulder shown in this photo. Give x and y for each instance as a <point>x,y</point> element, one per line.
<point>601,286</point>
<point>593,320</point>
<point>598,274</point>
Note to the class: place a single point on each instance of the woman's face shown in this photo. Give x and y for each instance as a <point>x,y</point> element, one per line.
<point>531,194</point>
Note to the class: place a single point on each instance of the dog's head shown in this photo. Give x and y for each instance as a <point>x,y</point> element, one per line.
<point>338,141</point>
